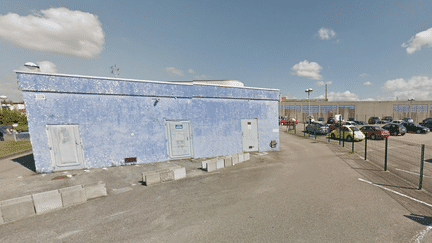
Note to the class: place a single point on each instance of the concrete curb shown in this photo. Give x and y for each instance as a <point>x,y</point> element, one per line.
<point>15,154</point>
<point>218,163</point>
<point>170,174</point>
<point>23,207</point>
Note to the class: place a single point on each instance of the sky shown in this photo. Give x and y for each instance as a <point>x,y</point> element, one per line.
<point>362,50</point>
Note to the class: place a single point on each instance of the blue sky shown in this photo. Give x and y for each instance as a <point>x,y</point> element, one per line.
<point>363,50</point>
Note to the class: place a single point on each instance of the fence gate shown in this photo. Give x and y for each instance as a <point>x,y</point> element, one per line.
<point>66,148</point>
<point>179,139</point>
<point>249,129</point>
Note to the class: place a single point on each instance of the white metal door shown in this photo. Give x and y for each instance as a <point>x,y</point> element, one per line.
<point>66,148</point>
<point>249,129</point>
<point>179,139</point>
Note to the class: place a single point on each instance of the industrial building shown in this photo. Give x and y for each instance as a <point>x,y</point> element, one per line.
<point>357,110</point>
<point>91,122</point>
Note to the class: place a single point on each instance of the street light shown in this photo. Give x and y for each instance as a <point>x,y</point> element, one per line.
<point>32,65</point>
<point>308,91</point>
<point>2,97</point>
<point>410,100</point>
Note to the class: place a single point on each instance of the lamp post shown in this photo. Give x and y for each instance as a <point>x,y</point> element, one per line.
<point>2,97</point>
<point>308,91</point>
<point>410,100</point>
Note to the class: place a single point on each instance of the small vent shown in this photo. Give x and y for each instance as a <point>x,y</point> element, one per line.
<point>130,160</point>
<point>250,147</point>
<point>40,96</point>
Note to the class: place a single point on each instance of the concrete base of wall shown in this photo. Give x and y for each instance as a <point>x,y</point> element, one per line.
<point>17,208</point>
<point>47,201</point>
<point>73,195</point>
<point>170,174</point>
<point>94,191</point>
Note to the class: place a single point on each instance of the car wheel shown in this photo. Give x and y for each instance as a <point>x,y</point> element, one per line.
<point>349,138</point>
<point>372,136</point>
<point>418,131</point>
<point>332,136</point>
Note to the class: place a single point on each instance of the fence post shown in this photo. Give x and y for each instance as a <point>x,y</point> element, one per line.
<point>315,134</point>
<point>385,159</point>
<point>340,133</point>
<point>14,134</point>
<point>352,146</point>
<point>365,147</point>
<point>343,138</point>
<point>421,166</point>
<point>304,129</point>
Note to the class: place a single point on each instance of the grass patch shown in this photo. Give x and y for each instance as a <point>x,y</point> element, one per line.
<point>10,147</point>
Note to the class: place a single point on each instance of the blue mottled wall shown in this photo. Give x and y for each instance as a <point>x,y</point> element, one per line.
<point>118,119</point>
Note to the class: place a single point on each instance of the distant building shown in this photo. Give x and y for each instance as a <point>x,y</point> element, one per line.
<point>358,110</point>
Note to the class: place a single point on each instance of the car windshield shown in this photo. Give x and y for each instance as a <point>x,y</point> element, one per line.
<point>378,128</point>
<point>355,129</point>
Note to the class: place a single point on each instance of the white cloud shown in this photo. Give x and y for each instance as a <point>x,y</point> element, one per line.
<point>416,42</point>
<point>306,69</point>
<point>321,83</point>
<point>369,99</point>
<point>203,77</point>
<point>326,34</point>
<point>345,96</point>
<point>191,71</point>
<point>362,75</point>
<point>173,70</point>
<point>56,30</point>
<point>9,88</point>
<point>418,87</point>
<point>367,83</point>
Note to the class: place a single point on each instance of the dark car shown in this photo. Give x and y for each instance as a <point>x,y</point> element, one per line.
<point>382,122</point>
<point>427,124</point>
<point>415,127</point>
<point>361,122</point>
<point>330,120</point>
<point>317,128</point>
<point>374,132</point>
<point>388,118</point>
<point>427,120</point>
<point>373,120</point>
<point>395,129</point>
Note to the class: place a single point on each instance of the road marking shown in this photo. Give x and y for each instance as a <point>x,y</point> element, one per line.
<point>68,234</point>
<point>411,172</point>
<point>263,153</point>
<point>117,213</point>
<point>398,193</point>
<point>420,235</point>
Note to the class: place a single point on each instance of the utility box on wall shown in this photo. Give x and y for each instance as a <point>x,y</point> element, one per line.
<point>113,120</point>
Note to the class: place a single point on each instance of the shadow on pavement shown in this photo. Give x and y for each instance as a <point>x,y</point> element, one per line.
<point>27,161</point>
<point>421,219</point>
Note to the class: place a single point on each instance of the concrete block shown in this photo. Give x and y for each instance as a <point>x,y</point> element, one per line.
<point>241,157</point>
<point>95,191</point>
<point>73,195</point>
<point>166,175</point>
<point>246,156</point>
<point>204,163</point>
<point>1,217</point>
<point>179,173</point>
<point>47,201</point>
<point>220,164</point>
<point>151,179</point>
<point>211,166</point>
<point>228,161</point>
<point>17,208</point>
<point>235,159</point>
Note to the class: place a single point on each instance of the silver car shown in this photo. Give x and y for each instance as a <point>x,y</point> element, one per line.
<point>317,128</point>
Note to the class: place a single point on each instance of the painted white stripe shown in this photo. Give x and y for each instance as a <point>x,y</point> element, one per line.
<point>398,193</point>
<point>411,172</point>
<point>421,235</point>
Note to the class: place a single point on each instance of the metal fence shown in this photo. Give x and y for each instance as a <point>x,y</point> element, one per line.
<point>410,161</point>
<point>21,136</point>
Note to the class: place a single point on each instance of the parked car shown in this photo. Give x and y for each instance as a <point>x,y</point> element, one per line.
<point>427,124</point>
<point>427,120</point>
<point>350,123</point>
<point>349,133</point>
<point>388,118</point>
<point>373,120</point>
<point>330,120</point>
<point>310,119</point>
<point>361,123</point>
<point>408,119</point>
<point>400,122</point>
<point>382,122</point>
<point>290,122</point>
<point>374,132</point>
<point>395,129</point>
<point>415,127</point>
<point>335,125</point>
<point>317,128</point>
